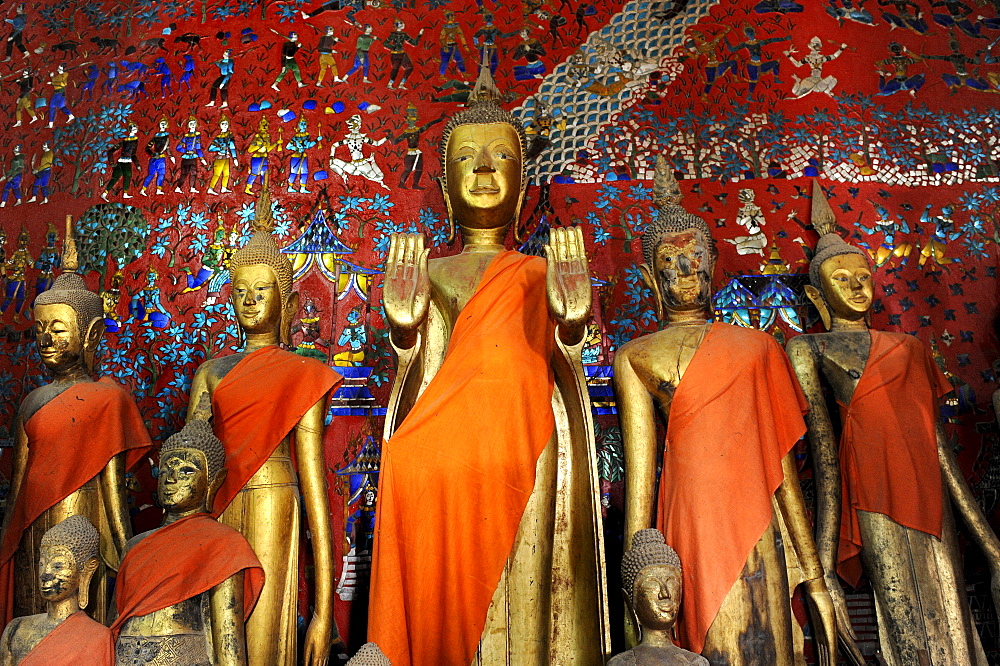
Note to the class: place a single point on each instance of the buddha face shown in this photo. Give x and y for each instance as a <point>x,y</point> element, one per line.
<point>57,337</point>
<point>58,574</point>
<point>256,298</point>
<point>183,481</point>
<point>483,163</point>
<point>657,596</point>
<point>683,265</point>
<point>847,285</point>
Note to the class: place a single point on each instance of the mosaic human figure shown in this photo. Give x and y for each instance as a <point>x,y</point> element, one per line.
<point>814,60</point>
<point>358,165</point>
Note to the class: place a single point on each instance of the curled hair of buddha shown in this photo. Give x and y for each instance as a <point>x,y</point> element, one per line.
<point>671,218</point>
<point>197,434</point>
<point>261,248</point>
<point>369,655</point>
<point>830,244</point>
<point>70,289</point>
<point>78,535</point>
<point>648,548</point>
<point>484,109</point>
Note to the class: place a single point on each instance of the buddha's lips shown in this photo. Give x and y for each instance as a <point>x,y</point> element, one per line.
<point>485,190</point>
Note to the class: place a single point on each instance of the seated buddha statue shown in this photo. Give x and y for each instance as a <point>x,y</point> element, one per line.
<point>653,587</point>
<point>185,589</point>
<point>63,634</point>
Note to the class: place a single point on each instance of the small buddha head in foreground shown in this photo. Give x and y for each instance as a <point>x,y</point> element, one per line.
<point>652,583</point>
<point>840,276</point>
<point>192,468</point>
<point>68,560</point>
<point>679,253</point>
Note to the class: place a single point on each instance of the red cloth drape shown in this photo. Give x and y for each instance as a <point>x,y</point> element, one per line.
<point>77,640</point>
<point>888,447</point>
<point>257,404</point>
<point>70,441</point>
<point>456,476</point>
<point>182,560</point>
<point>735,414</point>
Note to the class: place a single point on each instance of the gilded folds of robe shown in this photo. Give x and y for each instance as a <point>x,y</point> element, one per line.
<point>454,573</point>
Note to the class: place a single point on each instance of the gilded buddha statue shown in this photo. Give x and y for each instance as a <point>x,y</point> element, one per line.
<point>488,535</point>
<point>63,634</point>
<point>75,439</point>
<point>729,500</point>
<point>653,585</point>
<point>883,492</point>
<point>265,400</point>
<point>185,589</point>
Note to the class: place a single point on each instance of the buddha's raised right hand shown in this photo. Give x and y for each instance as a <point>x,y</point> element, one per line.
<point>407,291</point>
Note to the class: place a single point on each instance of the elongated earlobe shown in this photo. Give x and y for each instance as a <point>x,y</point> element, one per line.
<point>817,299</point>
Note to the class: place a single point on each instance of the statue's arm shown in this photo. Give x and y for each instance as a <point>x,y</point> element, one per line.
<point>961,494</point>
<point>791,504</point>
<point>229,641</point>
<point>312,481</point>
<point>112,482</point>
<point>823,447</point>
<point>20,465</point>
<point>197,407</point>
<point>638,423</point>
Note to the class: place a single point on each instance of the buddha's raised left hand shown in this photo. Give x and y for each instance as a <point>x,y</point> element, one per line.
<point>567,282</point>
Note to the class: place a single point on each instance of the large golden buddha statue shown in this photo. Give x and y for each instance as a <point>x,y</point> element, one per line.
<point>729,501</point>
<point>265,400</point>
<point>75,439</point>
<point>488,536</point>
<point>885,492</point>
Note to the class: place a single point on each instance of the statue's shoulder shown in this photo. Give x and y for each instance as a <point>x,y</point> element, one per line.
<point>217,367</point>
<point>131,543</point>
<point>803,344</point>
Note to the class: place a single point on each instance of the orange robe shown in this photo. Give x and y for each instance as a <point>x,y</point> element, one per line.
<point>456,476</point>
<point>70,441</point>
<point>77,640</point>
<point>257,404</point>
<point>736,413</point>
<point>182,560</point>
<point>888,446</point>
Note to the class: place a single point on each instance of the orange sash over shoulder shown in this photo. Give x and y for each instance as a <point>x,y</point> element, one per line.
<point>736,412</point>
<point>70,441</point>
<point>77,640</point>
<point>182,560</point>
<point>257,404</point>
<point>888,446</point>
<point>457,474</point>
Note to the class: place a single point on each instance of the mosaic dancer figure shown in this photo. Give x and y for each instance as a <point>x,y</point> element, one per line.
<point>358,165</point>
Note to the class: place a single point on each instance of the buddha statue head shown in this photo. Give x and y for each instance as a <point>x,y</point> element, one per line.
<point>369,655</point>
<point>652,583</point>
<point>68,558</point>
<point>192,469</point>
<point>840,277</point>
<point>679,253</point>
<point>483,165</point>
<point>261,278</point>
<point>69,320</point>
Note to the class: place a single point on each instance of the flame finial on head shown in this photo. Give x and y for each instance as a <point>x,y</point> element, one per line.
<point>821,215</point>
<point>665,188</point>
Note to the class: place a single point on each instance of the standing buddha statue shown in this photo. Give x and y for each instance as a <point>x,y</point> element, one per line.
<point>883,494</point>
<point>265,400</point>
<point>488,533</point>
<point>729,500</point>
<point>75,439</point>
